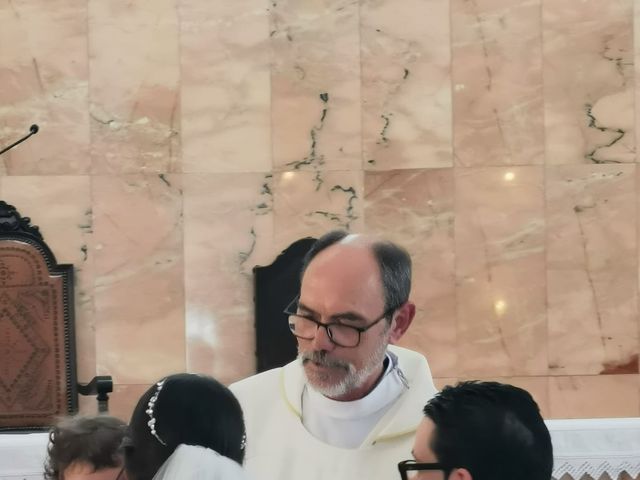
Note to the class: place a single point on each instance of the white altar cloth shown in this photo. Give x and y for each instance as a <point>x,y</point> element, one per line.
<point>596,446</point>
<point>592,446</point>
<point>22,455</point>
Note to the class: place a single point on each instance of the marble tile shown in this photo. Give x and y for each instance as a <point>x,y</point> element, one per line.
<point>592,269</point>
<point>588,81</point>
<point>139,298</point>
<point>406,84</point>
<point>497,82</point>
<point>225,235</point>
<point>44,78</point>
<point>134,95</point>
<point>499,238</point>
<point>308,204</point>
<point>125,398</point>
<point>315,85</point>
<point>538,387</point>
<point>61,208</point>
<point>415,209</point>
<point>225,86</point>
<point>636,64</point>
<point>87,405</point>
<point>594,396</point>
<point>442,382</point>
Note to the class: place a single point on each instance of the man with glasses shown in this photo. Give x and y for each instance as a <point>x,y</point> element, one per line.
<point>481,431</point>
<point>349,405</point>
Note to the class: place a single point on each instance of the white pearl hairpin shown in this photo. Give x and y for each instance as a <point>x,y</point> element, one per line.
<point>150,407</point>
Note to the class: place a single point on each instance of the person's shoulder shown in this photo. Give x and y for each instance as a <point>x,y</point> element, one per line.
<point>415,367</point>
<point>407,356</point>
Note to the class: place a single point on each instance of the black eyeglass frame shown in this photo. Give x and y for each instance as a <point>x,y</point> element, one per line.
<point>327,326</point>
<point>122,475</point>
<point>411,465</point>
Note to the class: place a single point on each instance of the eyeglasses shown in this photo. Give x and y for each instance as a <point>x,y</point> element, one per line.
<point>410,469</point>
<point>122,475</point>
<point>306,327</point>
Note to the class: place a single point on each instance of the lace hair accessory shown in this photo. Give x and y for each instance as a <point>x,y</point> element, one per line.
<point>150,410</point>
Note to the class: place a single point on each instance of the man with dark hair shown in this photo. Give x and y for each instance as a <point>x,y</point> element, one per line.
<point>86,448</point>
<point>346,408</point>
<point>481,431</point>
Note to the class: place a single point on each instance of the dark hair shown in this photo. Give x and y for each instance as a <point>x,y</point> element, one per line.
<point>393,261</point>
<point>493,430</point>
<point>92,440</point>
<point>190,409</point>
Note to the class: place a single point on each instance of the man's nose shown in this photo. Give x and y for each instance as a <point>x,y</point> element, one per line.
<point>322,341</point>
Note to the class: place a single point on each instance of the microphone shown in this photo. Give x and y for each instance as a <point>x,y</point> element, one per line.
<point>33,129</point>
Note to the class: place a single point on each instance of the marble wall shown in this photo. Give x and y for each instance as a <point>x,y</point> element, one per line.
<point>183,142</point>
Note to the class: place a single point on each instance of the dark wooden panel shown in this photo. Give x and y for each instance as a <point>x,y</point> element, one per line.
<point>275,286</point>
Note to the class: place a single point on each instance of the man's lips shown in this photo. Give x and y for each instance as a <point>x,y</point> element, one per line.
<point>320,366</point>
<point>316,364</point>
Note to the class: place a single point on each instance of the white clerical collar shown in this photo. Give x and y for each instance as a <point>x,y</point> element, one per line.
<point>390,387</point>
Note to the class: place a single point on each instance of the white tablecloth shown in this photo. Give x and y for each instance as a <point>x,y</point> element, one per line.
<point>596,446</point>
<point>592,446</point>
<point>22,455</point>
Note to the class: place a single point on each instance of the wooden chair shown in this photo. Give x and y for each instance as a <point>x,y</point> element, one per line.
<point>37,343</point>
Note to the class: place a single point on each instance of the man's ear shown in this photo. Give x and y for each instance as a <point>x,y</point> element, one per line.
<point>401,321</point>
<point>460,474</point>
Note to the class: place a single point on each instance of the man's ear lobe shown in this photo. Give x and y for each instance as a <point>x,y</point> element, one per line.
<point>401,321</point>
<point>460,474</point>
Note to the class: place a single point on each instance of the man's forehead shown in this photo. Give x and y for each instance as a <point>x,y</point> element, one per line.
<point>341,278</point>
<point>341,261</point>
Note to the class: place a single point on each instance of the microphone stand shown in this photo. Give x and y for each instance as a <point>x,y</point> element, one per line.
<point>33,129</point>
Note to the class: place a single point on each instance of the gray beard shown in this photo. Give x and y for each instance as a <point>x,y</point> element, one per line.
<point>353,379</point>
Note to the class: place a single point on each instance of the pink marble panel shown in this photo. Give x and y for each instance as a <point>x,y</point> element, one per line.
<point>636,63</point>
<point>588,81</point>
<point>124,399</point>
<point>442,382</point>
<point>406,84</point>
<point>44,78</point>
<point>537,386</point>
<point>499,237</point>
<point>134,96</point>
<point>139,298</point>
<point>310,204</point>
<point>593,396</point>
<point>315,82</point>
<point>592,269</point>
<point>225,86</point>
<point>227,230</point>
<point>415,209</point>
<point>61,207</point>
<point>87,405</point>
<point>497,82</point>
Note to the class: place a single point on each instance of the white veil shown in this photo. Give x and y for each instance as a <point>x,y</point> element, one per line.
<point>189,462</point>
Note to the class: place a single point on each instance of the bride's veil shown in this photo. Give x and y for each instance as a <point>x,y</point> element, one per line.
<point>189,462</point>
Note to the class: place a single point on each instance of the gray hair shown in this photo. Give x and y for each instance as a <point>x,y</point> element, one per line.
<point>393,261</point>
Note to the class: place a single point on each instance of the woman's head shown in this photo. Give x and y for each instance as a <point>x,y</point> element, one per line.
<point>182,409</point>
